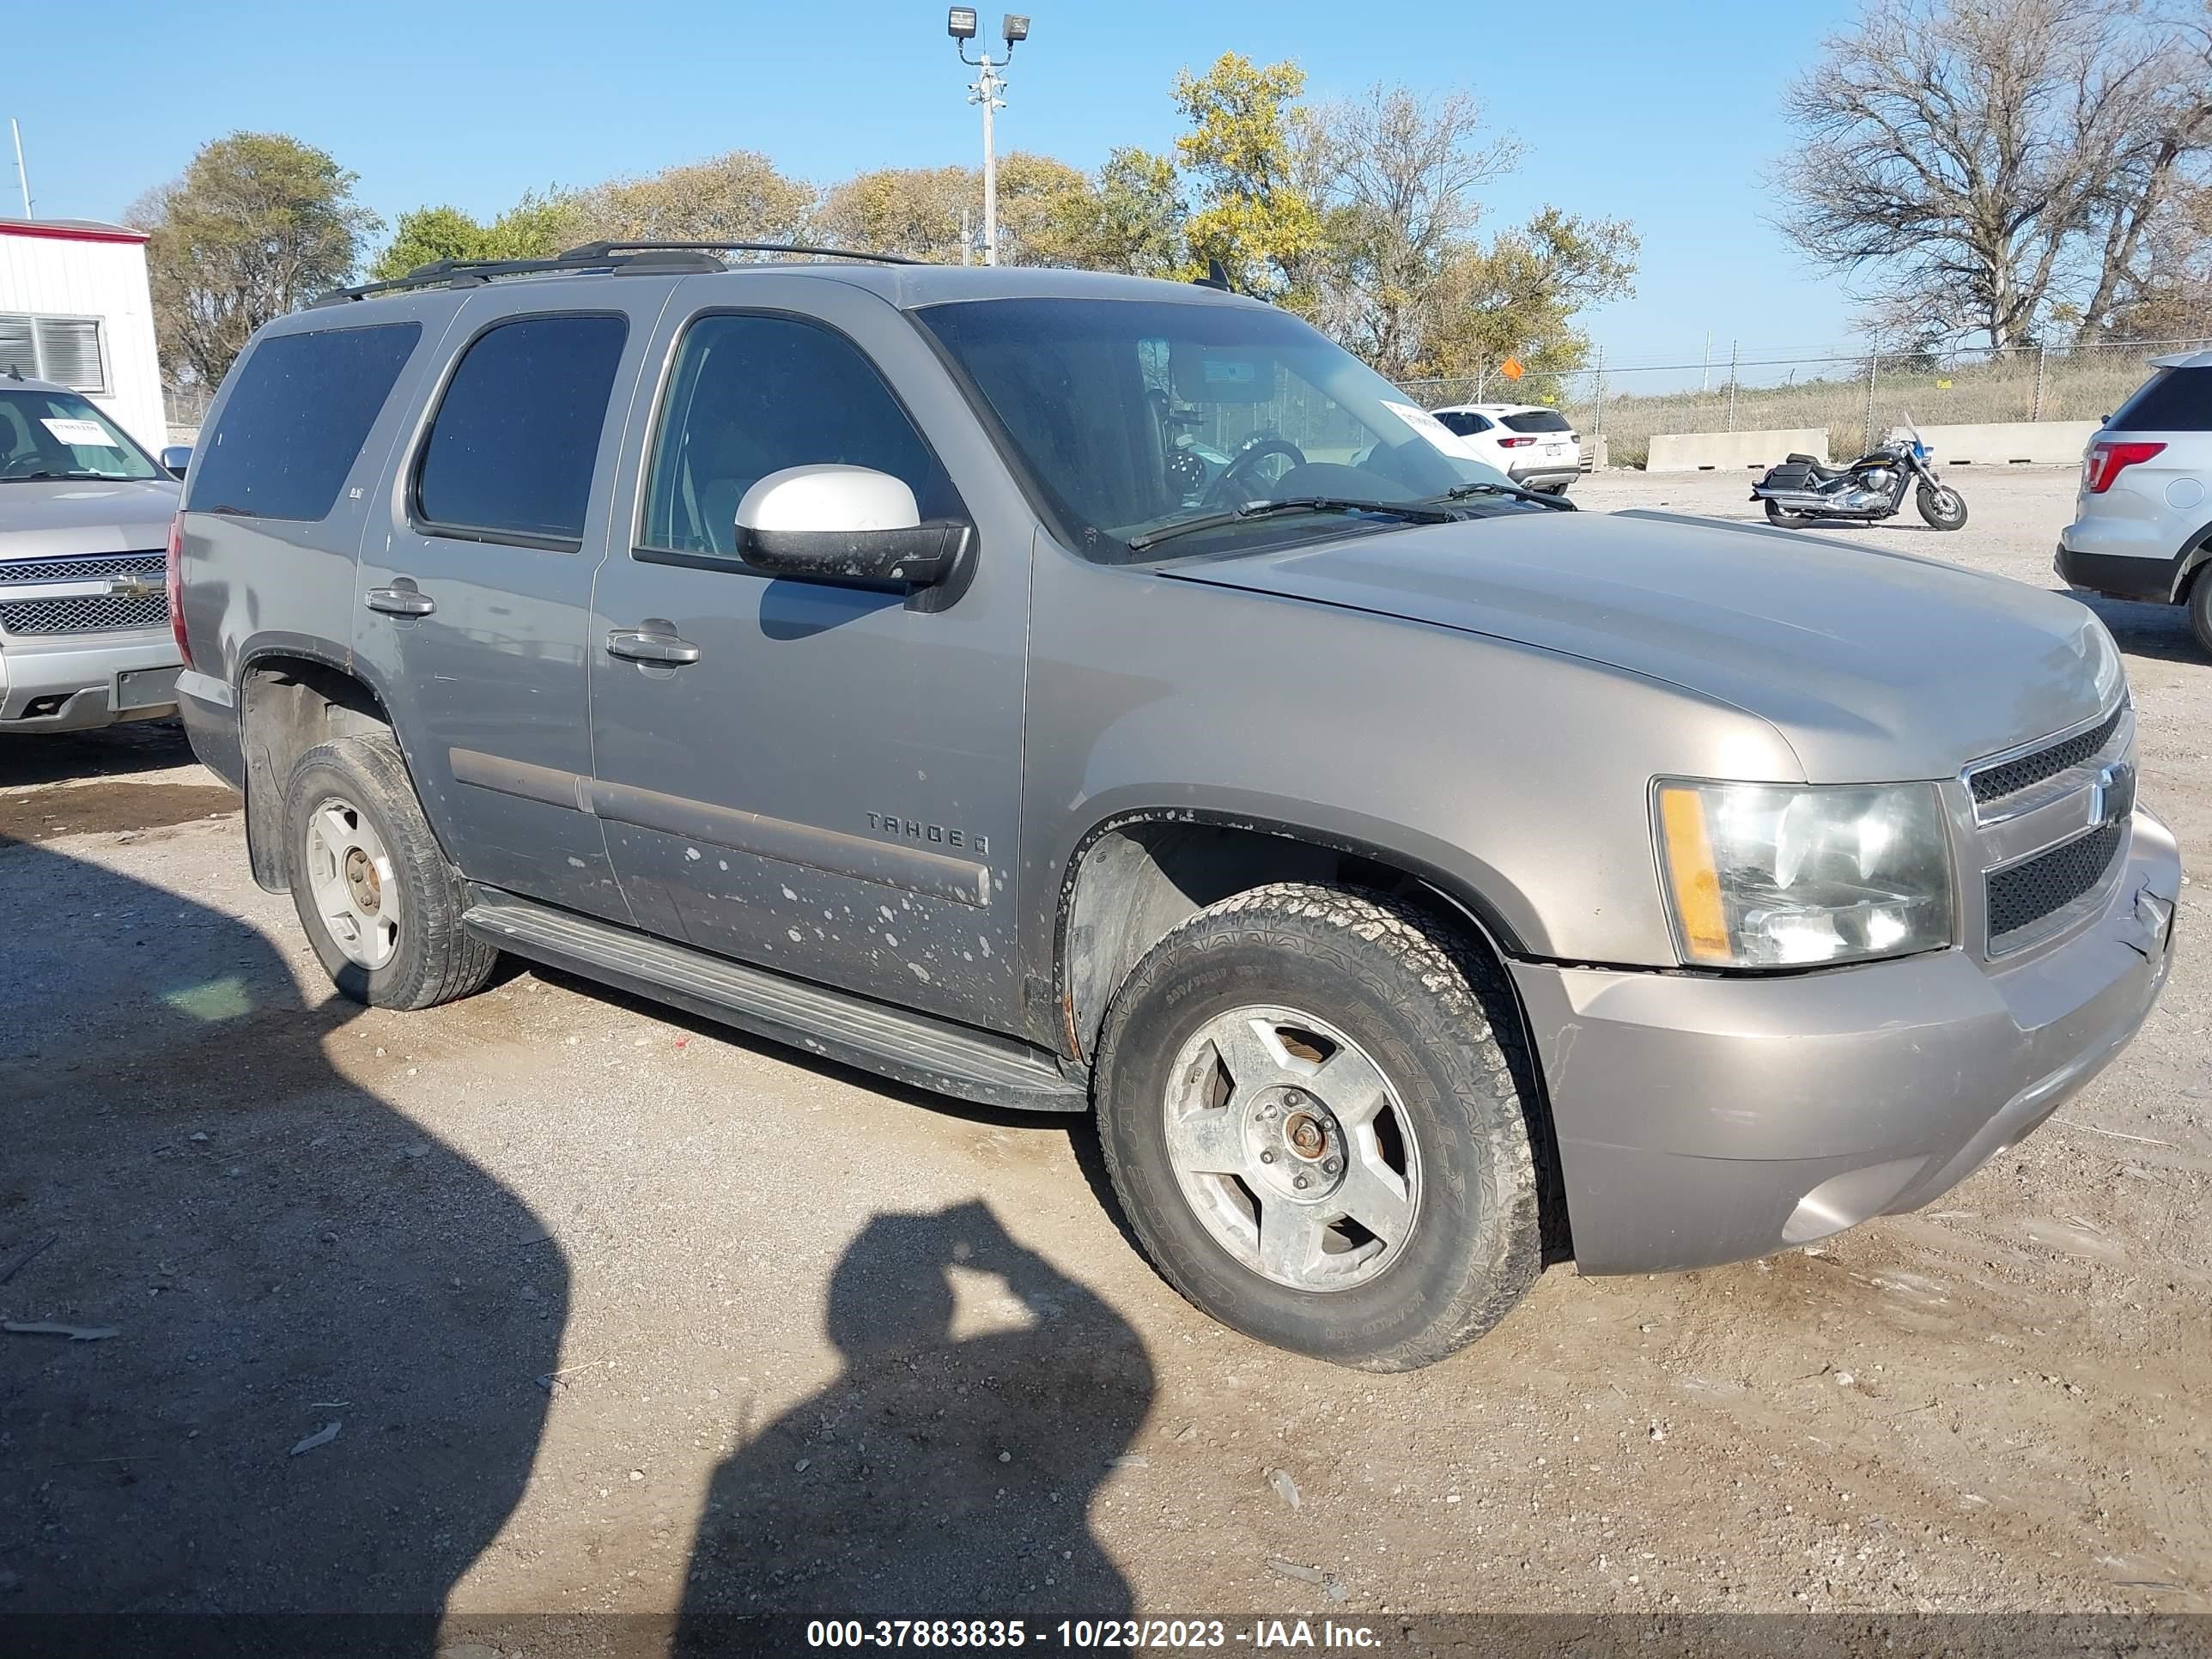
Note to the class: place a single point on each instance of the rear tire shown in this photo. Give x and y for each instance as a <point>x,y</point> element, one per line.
<point>377,899</point>
<point>2200,609</point>
<point>1338,1043</point>
<point>1943,508</point>
<point>1781,517</point>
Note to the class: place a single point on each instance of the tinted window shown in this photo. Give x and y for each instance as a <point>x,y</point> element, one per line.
<point>1459,420</point>
<point>511,450</point>
<point>298,409</point>
<point>1538,420</point>
<point>2172,400</point>
<point>754,395</point>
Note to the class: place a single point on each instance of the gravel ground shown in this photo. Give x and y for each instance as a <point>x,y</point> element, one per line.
<point>614,1311</point>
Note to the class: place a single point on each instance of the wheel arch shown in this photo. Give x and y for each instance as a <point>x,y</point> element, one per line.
<point>290,698</point>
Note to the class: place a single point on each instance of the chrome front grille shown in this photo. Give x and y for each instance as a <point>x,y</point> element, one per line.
<point>2031,892</point>
<point>2050,829</point>
<point>1992,784</point>
<point>92,614</point>
<point>77,568</point>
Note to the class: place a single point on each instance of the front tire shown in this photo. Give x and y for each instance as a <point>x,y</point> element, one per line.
<point>374,894</point>
<point>1310,1116</point>
<point>1943,506</point>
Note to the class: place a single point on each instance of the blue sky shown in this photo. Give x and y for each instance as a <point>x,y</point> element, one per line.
<point>1662,114</point>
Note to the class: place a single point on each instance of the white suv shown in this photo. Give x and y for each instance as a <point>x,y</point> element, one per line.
<point>2142,524</point>
<point>1531,445</point>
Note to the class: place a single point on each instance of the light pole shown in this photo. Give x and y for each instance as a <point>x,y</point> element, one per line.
<point>960,24</point>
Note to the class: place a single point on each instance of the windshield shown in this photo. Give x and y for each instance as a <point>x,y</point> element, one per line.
<point>59,435</point>
<point>1134,415</point>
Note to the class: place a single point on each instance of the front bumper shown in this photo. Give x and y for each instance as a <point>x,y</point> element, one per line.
<point>70,684</point>
<point>1704,1119</point>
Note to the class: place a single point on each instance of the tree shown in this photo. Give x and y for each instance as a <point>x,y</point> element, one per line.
<point>1519,296</point>
<point>534,228</point>
<point>738,197</point>
<point>1246,152</point>
<point>259,224</point>
<point>1131,219</point>
<point>915,212</point>
<point>1400,175</point>
<point>1971,162</point>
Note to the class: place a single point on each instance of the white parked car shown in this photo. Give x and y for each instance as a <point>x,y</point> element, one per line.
<point>1529,444</point>
<point>2142,521</point>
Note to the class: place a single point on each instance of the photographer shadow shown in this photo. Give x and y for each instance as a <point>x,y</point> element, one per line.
<point>938,1476</point>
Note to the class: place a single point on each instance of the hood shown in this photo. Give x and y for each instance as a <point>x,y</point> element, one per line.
<point>1874,664</point>
<point>52,517</point>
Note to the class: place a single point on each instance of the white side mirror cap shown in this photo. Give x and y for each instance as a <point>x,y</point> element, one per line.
<point>837,499</point>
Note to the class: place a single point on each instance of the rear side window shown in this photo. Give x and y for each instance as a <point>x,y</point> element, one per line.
<point>1460,421</point>
<point>298,412</point>
<point>1538,420</point>
<point>2172,400</point>
<point>510,453</point>
<point>754,395</point>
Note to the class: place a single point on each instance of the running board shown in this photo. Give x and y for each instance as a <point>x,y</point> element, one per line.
<point>914,1048</point>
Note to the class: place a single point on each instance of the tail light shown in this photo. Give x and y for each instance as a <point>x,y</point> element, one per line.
<point>177,589</point>
<point>1514,443</point>
<point>2106,461</point>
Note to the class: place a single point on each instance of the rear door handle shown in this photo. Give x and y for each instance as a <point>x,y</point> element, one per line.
<point>635,645</point>
<point>402,599</point>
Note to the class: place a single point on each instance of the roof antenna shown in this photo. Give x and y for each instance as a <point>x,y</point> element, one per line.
<point>1216,277</point>
<point>15,371</point>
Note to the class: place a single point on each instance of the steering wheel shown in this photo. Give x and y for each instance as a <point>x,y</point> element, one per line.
<point>33,462</point>
<point>1235,475</point>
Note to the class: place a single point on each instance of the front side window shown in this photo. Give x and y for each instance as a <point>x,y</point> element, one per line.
<point>1132,415</point>
<point>752,395</point>
<point>299,410</point>
<point>58,434</point>
<point>512,451</point>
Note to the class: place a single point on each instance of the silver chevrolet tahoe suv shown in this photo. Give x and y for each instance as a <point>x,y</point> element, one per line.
<point>85,515</point>
<point>1420,880</point>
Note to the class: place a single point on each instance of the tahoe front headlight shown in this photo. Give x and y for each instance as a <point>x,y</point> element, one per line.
<point>1763,875</point>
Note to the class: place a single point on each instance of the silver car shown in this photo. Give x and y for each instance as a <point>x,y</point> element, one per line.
<point>1415,876</point>
<point>84,532</point>
<point>2142,524</point>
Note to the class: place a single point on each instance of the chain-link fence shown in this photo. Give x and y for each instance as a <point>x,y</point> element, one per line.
<point>1856,399</point>
<point>186,407</point>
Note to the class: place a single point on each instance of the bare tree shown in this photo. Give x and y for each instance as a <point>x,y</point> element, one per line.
<point>1969,161</point>
<point>1400,176</point>
<point>2145,234</point>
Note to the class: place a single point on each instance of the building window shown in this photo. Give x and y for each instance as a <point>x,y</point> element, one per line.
<point>67,350</point>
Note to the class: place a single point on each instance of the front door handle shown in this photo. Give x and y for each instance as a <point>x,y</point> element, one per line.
<point>664,650</point>
<point>402,599</point>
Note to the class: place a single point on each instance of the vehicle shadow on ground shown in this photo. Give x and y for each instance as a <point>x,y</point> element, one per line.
<point>104,752</point>
<point>273,1250</point>
<point>941,1475</point>
<point>2158,631</point>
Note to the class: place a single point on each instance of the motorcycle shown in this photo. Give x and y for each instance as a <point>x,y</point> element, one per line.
<point>1803,490</point>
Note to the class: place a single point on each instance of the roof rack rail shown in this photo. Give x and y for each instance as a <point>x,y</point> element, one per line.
<point>600,250</point>
<point>635,259</point>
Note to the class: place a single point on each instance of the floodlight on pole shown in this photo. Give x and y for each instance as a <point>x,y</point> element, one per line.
<point>960,24</point>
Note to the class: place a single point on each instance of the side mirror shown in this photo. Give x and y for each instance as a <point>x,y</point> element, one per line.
<point>844,524</point>
<point>175,459</point>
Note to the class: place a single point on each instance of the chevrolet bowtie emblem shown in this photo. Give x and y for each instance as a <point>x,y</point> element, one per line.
<point>131,587</point>
<point>2113,794</point>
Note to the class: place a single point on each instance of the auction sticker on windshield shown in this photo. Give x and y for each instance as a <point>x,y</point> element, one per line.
<point>74,432</point>
<point>1442,436</point>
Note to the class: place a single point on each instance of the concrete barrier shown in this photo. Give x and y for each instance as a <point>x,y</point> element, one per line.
<point>1705,452</point>
<point>1998,443</point>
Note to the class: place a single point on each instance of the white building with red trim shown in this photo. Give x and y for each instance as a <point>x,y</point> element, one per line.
<point>76,309</point>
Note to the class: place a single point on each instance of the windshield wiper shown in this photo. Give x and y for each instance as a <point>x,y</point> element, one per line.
<point>1409,512</point>
<point>48,477</point>
<point>1460,492</point>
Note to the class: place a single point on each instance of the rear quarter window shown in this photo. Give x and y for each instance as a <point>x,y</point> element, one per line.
<point>299,410</point>
<point>1538,420</point>
<point>2172,400</point>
